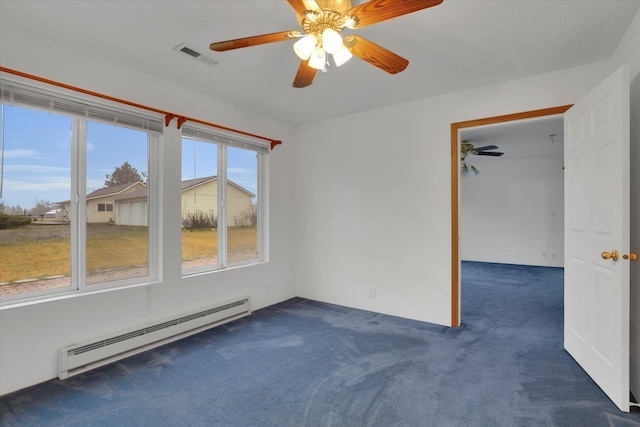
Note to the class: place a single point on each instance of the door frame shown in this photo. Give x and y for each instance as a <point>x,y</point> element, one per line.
<point>455,190</point>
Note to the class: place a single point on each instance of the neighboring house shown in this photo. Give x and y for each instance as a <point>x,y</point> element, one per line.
<point>198,195</point>
<point>101,203</point>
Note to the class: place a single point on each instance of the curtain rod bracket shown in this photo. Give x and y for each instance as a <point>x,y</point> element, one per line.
<point>274,143</point>
<point>167,119</point>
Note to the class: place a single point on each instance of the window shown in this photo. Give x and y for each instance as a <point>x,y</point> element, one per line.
<point>199,200</point>
<point>83,219</point>
<point>242,204</point>
<point>222,204</point>
<point>117,243</point>
<point>36,179</point>
<point>105,207</point>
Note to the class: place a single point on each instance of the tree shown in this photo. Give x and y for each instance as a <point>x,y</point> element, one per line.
<point>14,210</point>
<point>125,174</point>
<point>41,207</point>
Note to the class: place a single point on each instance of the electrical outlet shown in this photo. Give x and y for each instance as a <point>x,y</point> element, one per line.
<point>544,255</point>
<point>553,255</point>
<point>372,291</point>
<point>268,288</point>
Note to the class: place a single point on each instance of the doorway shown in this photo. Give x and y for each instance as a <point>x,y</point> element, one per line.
<point>457,130</point>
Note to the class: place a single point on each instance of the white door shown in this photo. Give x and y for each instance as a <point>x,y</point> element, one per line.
<point>596,315</point>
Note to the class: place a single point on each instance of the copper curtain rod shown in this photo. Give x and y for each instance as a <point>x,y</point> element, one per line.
<point>167,115</point>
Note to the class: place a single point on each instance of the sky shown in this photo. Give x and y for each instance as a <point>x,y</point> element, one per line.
<point>37,157</point>
<point>241,164</point>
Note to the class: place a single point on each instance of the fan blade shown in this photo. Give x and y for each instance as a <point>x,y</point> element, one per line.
<point>251,41</point>
<point>375,11</point>
<point>487,147</point>
<point>300,6</point>
<point>375,55</point>
<point>489,153</point>
<point>305,75</point>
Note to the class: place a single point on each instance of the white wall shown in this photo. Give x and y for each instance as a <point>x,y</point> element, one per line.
<point>31,334</point>
<point>513,211</point>
<point>373,194</point>
<point>372,191</point>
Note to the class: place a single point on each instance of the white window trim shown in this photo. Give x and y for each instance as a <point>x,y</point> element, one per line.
<point>222,206</point>
<point>263,207</point>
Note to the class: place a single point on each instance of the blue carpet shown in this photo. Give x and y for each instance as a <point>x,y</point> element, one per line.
<point>305,363</point>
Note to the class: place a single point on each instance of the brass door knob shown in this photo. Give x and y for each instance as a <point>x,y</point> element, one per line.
<point>614,255</point>
<point>632,256</point>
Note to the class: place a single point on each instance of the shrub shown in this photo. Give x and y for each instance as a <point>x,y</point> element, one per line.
<point>13,221</point>
<point>199,220</point>
<point>248,217</point>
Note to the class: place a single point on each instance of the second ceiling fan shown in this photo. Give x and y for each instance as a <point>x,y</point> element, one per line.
<point>322,21</point>
<point>467,148</point>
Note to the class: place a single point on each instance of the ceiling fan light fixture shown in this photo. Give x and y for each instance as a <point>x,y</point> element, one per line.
<point>464,170</point>
<point>331,41</point>
<point>342,55</point>
<point>311,15</point>
<point>473,170</point>
<point>318,59</point>
<point>348,21</point>
<point>305,46</point>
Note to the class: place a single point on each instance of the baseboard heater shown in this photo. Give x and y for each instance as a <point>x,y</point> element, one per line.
<point>78,358</point>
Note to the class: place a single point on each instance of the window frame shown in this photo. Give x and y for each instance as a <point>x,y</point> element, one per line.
<point>223,140</point>
<point>106,207</point>
<point>153,225</point>
<point>82,106</point>
<point>80,109</point>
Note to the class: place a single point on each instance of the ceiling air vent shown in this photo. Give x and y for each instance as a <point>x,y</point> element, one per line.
<point>189,51</point>
<point>182,47</point>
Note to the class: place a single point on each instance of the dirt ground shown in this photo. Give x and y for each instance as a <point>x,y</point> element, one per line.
<point>44,231</point>
<point>35,232</point>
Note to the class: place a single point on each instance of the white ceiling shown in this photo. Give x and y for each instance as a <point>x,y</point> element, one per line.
<point>528,138</point>
<point>457,45</point>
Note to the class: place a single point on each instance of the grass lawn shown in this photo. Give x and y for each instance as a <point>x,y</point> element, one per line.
<point>39,251</point>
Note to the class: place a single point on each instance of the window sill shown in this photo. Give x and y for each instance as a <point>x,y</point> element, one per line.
<point>194,272</point>
<point>64,295</point>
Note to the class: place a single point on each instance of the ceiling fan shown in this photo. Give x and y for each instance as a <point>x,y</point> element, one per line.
<point>467,148</point>
<point>322,21</point>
